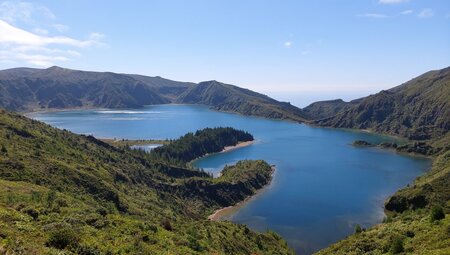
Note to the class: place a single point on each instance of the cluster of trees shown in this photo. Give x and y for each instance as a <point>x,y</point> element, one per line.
<point>200,143</point>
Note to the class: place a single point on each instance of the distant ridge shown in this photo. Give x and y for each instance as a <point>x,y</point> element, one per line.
<point>325,109</point>
<point>418,109</point>
<point>225,97</point>
<point>28,89</point>
<point>24,89</point>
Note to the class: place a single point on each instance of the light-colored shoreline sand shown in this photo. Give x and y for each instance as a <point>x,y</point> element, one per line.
<point>237,146</point>
<point>219,214</point>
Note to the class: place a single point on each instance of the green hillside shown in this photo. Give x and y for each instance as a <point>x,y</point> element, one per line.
<point>325,109</point>
<point>418,109</point>
<point>62,193</point>
<point>229,98</point>
<point>60,88</point>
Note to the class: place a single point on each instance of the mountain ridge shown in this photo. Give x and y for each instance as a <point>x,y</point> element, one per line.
<point>418,109</point>
<point>27,89</point>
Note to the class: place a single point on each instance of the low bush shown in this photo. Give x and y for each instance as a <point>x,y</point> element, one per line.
<point>437,213</point>
<point>397,245</point>
<point>62,235</point>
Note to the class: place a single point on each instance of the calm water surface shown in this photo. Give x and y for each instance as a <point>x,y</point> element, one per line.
<point>322,186</point>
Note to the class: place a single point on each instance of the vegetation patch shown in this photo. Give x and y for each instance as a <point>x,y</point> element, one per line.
<point>62,193</point>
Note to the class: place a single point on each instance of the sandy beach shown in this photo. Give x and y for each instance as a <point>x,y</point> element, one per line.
<point>237,146</point>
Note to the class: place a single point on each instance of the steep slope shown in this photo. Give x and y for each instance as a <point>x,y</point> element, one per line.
<point>325,109</point>
<point>55,87</point>
<point>418,109</point>
<point>164,87</point>
<point>73,194</point>
<point>225,97</point>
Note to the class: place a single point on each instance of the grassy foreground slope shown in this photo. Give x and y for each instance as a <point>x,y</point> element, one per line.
<point>62,193</point>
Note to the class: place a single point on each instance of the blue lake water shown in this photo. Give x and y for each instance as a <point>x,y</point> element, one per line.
<point>322,186</point>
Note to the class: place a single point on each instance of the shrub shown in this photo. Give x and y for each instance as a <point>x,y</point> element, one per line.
<point>166,225</point>
<point>31,211</point>
<point>62,236</point>
<point>153,228</point>
<point>397,245</point>
<point>410,234</point>
<point>102,211</point>
<point>358,229</point>
<point>437,213</point>
<point>61,202</point>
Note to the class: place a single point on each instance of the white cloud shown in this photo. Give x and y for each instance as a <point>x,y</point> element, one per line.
<point>41,31</point>
<point>26,36</point>
<point>373,15</point>
<point>74,53</point>
<point>426,13</point>
<point>14,35</point>
<point>96,36</point>
<point>15,11</point>
<point>42,50</point>
<point>392,1</point>
<point>60,27</point>
<point>406,12</point>
<point>288,44</point>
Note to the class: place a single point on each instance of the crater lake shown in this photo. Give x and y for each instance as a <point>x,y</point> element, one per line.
<point>322,187</point>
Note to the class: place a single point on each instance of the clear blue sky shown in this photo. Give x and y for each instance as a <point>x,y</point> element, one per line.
<point>293,50</point>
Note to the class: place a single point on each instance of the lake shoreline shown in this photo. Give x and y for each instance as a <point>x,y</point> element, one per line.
<point>224,150</point>
<point>286,145</point>
<point>218,214</point>
<point>30,112</point>
<point>237,146</point>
